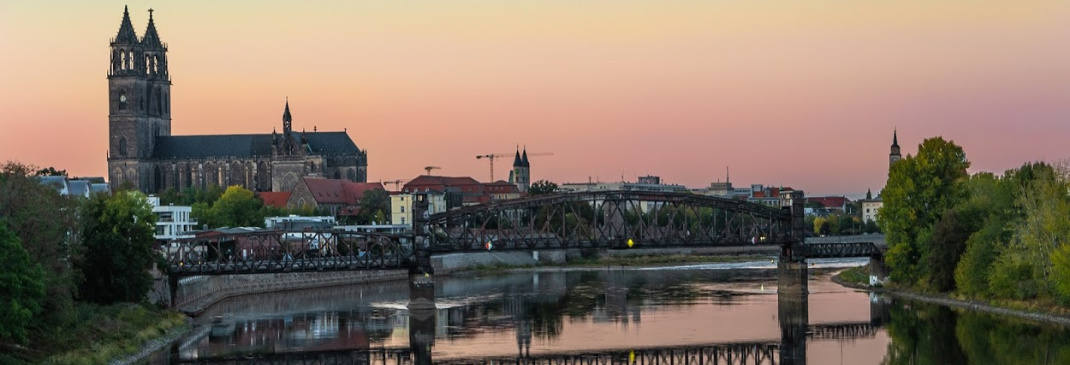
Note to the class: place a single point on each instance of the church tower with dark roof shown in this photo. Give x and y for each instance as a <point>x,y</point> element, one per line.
<point>521,174</point>
<point>894,155</point>
<point>139,104</point>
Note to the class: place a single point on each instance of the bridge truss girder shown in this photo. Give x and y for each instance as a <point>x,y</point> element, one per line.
<point>278,251</point>
<point>608,220</point>
<point>841,249</point>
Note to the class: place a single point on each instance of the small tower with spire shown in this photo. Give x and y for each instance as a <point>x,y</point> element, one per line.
<point>521,175</point>
<point>894,155</point>
<point>287,120</point>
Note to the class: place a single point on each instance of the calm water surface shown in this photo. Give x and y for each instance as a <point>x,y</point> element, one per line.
<point>670,315</point>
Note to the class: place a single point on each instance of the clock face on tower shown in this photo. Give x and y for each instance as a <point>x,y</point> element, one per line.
<point>122,98</point>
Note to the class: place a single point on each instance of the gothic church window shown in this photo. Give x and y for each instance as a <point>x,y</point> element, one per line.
<point>122,146</point>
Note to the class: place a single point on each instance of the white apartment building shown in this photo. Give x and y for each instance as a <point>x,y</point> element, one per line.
<point>870,207</point>
<point>172,221</point>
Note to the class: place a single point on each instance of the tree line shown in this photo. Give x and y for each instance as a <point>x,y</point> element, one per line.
<point>58,252</point>
<point>982,235</point>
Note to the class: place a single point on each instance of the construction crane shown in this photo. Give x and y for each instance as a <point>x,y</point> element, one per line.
<point>397,184</point>
<point>493,156</point>
<point>429,168</point>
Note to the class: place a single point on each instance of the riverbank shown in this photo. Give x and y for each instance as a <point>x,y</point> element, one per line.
<point>103,334</point>
<point>849,278</point>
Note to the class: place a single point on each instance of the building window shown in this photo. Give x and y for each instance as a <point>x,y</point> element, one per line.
<point>403,209</point>
<point>402,220</point>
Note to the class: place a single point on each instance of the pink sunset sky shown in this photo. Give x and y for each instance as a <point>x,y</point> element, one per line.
<point>798,93</point>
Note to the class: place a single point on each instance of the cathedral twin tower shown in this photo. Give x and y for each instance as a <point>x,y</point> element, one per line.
<point>142,153</point>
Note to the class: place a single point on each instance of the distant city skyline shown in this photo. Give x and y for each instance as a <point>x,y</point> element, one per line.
<point>801,94</point>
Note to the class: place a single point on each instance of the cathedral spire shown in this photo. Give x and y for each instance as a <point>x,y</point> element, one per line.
<point>895,138</point>
<point>152,38</point>
<point>286,118</point>
<point>524,157</point>
<point>126,30</point>
<point>516,160</point>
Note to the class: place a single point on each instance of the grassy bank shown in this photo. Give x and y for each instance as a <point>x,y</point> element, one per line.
<point>96,334</point>
<point>1042,310</point>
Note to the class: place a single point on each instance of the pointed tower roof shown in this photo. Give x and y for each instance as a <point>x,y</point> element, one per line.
<point>516,160</point>
<point>524,158</point>
<point>895,138</point>
<point>286,118</point>
<point>126,30</point>
<point>152,38</point>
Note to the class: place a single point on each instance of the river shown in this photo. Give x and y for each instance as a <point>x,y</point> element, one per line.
<point>679,315</point>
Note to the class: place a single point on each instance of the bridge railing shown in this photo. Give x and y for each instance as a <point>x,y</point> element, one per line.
<point>282,251</point>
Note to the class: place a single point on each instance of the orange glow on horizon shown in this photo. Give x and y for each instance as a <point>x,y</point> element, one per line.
<point>803,94</point>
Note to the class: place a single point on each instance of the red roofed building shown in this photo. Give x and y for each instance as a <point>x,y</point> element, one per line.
<point>463,190</point>
<point>831,202</point>
<point>338,196</point>
<point>275,199</point>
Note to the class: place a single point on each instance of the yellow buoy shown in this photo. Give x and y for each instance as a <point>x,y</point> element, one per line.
<point>631,243</point>
<point>631,355</point>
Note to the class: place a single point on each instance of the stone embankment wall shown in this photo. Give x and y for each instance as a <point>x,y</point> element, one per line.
<point>196,293</point>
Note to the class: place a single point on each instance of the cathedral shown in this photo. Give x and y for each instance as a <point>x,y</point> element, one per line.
<point>143,153</point>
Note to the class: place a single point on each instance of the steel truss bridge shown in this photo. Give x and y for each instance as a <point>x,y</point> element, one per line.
<point>609,219</point>
<point>585,220</point>
<point>278,251</point>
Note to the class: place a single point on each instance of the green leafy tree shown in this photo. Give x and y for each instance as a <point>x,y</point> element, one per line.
<point>1044,227</point>
<point>46,224</point>
<point>117,232</point>
<point>375,206</point>
<point>22,287</point>
<point>920,188</point>
<point>237,207</point>
<point>51,171</point>
<point>951,233</point>
<point>542,187</point>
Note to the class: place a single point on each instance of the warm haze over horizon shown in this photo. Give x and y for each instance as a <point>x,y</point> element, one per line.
<point>798,93</point>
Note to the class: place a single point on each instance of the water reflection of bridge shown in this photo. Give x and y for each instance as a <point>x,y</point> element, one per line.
<point>347,334</point>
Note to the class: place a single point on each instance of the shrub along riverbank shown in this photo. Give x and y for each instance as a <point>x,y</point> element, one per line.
<point>858,277</point>
<point>97,334</point>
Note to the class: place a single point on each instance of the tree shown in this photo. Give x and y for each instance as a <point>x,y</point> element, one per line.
<point>920,188</point>
<point>51,171</point>
<point>951,233</point>
<point>46,224</point>
<point>1044,227</point>
<point>542,187</point>
<point>22,287</point>
<point>117,231</point>
<point>375,206</point>
<point>237,207</point>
